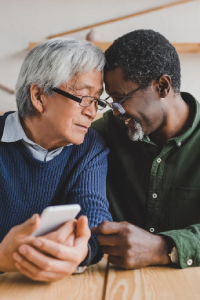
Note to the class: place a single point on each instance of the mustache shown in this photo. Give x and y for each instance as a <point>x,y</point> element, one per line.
<point>124,117</point>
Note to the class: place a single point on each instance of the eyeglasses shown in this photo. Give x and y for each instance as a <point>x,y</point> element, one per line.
<point>84,101</point>
<point>117,105</point>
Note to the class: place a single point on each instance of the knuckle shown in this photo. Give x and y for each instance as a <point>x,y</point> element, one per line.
<point>102,226</point>
<point>129,253</point>
<point>129,241</point>
<point>59,239</point>
<point>60,254</point>
<point>47,265</point>
<point>37,275</point>
<point>125,223</point>
<point>128,228</point>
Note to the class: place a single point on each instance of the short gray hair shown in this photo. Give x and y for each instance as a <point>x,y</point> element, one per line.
<point>52,63</point>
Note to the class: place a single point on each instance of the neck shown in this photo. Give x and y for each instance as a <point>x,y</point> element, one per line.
<point>178,119</point>
<point>41,133</point>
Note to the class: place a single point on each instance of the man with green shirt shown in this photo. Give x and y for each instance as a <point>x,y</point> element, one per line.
<point>153,132</point>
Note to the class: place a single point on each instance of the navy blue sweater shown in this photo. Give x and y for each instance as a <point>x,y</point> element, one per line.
<point>76,175</point>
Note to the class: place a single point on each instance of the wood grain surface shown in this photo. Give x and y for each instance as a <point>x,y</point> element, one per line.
<point>153,283</point>
<point>85,286</point>
<point>99,283</point>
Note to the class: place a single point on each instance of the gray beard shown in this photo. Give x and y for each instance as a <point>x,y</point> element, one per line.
<point>137,134</point>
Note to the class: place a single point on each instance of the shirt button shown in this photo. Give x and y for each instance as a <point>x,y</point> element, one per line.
<point>189,262</point>
<point>154,196</point>
<point>179,144</point>
<point>159,160</point>
<point>152,230</point>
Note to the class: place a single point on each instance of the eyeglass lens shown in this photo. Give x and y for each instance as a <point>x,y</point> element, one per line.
<point>118,107</point>
<point>87,101</point>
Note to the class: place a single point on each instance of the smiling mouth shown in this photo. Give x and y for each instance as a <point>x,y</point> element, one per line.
<point>83,127</point>
<point>127,121</point>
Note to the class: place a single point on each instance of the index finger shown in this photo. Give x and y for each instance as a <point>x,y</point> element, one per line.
<point>106,228</point>
<point>62,234</point>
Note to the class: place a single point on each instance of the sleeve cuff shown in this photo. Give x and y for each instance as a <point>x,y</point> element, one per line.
<point>188,246</point>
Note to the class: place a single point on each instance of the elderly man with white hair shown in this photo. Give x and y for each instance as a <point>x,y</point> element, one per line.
<point>50,156</point>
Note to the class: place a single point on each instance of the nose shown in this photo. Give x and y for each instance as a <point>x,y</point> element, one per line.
<point>90,111</point>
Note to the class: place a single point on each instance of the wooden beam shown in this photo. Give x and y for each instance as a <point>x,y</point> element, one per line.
<point>180,47</point>
<point>120,18</point>
<point>187,47</point>
<point>6,88</point>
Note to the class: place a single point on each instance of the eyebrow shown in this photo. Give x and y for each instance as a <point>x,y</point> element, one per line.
<point>118,93</point>
<point>86,86</point>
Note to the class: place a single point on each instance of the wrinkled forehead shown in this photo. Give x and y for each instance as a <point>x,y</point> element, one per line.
<point>116,84</point>
<point>91,81</point>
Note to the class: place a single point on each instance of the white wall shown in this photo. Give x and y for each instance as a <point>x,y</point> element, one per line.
<point>24,21</point>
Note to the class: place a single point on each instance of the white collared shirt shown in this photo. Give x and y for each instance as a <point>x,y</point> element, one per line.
<point>14,132</point>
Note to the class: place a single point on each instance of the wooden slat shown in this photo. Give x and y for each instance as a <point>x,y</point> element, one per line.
<point>7,88</point>
<point>180,47</point>
<point>32,45</point>
<point>187,47</point>
<point>85,286</point>
<point>120,18</point>
<point>158,283</point>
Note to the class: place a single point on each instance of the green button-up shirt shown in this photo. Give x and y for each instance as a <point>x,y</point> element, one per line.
<point>157,191</point>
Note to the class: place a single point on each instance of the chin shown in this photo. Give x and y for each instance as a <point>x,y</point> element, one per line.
<point>78,140</point>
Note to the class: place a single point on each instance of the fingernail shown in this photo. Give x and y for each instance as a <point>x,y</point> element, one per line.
<point>37,243</point>
<point>22,250</point>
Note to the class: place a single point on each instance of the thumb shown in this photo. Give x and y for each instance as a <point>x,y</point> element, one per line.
<point>29,226</point>
<point>82,229</point>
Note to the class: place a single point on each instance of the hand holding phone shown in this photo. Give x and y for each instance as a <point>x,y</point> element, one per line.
<point>53,217</point>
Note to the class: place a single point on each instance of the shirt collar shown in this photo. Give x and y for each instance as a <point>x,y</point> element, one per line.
<point>14,132</point>
<point>179,140</point>
<point>191,101</point>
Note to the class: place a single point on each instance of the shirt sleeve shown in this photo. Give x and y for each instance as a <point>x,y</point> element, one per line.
<point>90,192</point>
<point>187,242</point>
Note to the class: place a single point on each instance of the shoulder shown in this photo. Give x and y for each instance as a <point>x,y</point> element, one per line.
<point>92,146</point>
<point>2,122</point>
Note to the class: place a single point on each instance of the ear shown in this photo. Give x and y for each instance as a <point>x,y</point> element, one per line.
<point>37,97</point>
<point>163,85</point>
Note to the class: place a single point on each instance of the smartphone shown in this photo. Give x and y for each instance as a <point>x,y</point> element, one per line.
<point>54,217</point>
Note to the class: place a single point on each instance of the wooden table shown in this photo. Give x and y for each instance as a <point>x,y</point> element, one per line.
<point>105,282</point>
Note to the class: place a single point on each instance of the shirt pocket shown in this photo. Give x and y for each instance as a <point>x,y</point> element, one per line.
<point>184,207</point>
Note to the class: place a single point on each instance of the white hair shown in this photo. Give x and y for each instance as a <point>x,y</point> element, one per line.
<point>53,63</point>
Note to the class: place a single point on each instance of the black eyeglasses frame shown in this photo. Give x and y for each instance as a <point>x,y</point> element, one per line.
<point>117,105</point>
<point>77,99</point>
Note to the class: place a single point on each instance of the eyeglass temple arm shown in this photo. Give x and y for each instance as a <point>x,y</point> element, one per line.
<point>102,103</point>
<point>65,94</point>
